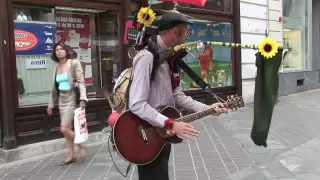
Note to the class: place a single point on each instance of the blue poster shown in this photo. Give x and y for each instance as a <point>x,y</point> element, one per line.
<point>219,32</point>
<point>34,38</point>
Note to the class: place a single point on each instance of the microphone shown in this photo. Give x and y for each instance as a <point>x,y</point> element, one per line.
<point>200,46</point>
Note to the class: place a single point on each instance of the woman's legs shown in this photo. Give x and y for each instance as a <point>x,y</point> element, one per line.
<point>82,150</point>
<point>67,106</point>
<point>69,135</point>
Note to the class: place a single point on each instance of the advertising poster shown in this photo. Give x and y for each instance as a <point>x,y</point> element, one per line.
<point>214,64</point>
<point>34,38</point>
<point>74,30</point>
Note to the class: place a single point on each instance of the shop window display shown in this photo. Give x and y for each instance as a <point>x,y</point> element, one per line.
<point>213,5</point>
<point>92,34</point>
<point>295,33</point>
<point>215,63</point>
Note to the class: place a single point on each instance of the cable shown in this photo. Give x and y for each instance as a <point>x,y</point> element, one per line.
<point>114,163</point>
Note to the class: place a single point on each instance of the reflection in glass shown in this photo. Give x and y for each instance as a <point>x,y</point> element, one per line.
<point>214,5</point>
<point>295,33</point>
<point>92,34</point>
<point>214,62</point>
<point>292,39</point>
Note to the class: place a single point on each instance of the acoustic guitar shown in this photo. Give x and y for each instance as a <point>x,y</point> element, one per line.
<point>140,143</point>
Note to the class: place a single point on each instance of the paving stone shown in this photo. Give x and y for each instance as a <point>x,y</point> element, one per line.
<point>224,150</point>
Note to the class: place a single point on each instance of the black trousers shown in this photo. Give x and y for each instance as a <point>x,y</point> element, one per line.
<point>159,168</point>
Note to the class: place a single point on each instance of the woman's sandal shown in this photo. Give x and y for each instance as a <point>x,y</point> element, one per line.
<point>64,163</point>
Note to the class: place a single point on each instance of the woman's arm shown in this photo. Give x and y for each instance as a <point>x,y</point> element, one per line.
<point>80,79</point>
<point>183,101</point>
<point>54,93</point>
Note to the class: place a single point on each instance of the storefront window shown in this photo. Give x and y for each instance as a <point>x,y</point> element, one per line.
<point>215,63</point>
<point>92,34</point>
<point>213,5</point>
<point>295,33</point>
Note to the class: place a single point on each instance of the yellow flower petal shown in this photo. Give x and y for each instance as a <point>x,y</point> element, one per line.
<point>149,18</point>
<point>268,48</point>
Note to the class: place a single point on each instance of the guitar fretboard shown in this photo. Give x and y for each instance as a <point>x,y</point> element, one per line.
<point>196,116</point>
<point>233,102</point>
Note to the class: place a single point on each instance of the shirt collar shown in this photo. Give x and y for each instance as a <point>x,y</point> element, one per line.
<point>161,44</point>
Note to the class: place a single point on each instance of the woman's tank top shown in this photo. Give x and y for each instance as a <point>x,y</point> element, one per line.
<point>62,80</point>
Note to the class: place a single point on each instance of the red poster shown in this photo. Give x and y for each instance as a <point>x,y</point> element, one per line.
<point>74,30</point>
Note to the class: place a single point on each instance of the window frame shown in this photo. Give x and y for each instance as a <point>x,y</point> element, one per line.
<point>234,19</point>
<point>52,4</point>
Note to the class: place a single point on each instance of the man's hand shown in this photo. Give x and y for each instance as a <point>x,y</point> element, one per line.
<point>183,129</point>
<point>218,107</point>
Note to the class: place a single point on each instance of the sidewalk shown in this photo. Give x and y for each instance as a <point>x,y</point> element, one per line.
<point>224,150</point>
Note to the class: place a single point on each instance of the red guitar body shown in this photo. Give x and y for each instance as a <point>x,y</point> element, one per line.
<point>139,142</point>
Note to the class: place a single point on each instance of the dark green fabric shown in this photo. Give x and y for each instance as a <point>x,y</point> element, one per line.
<point>265,95</point>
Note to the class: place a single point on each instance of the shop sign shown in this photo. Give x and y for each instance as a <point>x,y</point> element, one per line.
<point>36,63</point>
<point>24,40</point>
<point>34,38</point>
<point>74,30</point>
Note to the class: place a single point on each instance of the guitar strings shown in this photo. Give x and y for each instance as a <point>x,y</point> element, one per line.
<point>158,130</point>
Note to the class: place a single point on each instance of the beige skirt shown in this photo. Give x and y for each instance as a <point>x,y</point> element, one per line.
<point>67,105</point>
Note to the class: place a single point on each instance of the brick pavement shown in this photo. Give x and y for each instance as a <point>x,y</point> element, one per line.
<point>224,149</point>
<point>213,155</point>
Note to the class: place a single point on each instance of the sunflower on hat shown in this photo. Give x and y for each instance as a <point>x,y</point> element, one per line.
<point>268,47</point>
<point>149,18</point>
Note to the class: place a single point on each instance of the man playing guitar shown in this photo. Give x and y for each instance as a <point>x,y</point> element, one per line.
<point>146,97</point>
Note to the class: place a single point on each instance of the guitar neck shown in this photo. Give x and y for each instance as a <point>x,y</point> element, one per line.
<point>196,116</point>
<point>233,102</point>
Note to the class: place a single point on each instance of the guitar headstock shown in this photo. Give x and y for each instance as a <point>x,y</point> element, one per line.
<point>234,102</point>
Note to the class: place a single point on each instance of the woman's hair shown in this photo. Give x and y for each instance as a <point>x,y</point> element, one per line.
<point>70,53</point>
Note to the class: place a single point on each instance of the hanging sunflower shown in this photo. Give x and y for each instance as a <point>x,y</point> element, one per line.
<point>149,18</point>
<point>268,47</point>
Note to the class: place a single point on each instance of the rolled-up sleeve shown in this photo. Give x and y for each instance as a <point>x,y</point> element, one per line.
<point>140,89</point>
<point>186,102</point>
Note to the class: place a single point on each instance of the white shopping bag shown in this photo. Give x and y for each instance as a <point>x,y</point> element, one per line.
<point>80,126</point>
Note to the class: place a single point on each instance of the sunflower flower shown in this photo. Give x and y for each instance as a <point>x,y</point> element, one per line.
<point>268,47</point>
<point>150,16</point>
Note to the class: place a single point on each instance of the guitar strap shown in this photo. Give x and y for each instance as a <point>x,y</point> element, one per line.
<point>179,63</point>
<point>153,48</point>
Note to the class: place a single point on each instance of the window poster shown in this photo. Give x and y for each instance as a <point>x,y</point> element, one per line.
<point>74,30</point>
<point>214,64</point>
<point>34,38</point>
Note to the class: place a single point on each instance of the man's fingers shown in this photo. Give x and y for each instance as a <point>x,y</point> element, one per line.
<point>192,132</point>
<point>218,110</point>
<point>219,104</point>
<point>183,135</point>
<point>189,125</point>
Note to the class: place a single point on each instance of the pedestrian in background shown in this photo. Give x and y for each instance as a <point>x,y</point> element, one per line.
<point>67,73</point>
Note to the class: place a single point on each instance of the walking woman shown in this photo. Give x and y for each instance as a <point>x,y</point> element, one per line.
<point>67,71</point>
